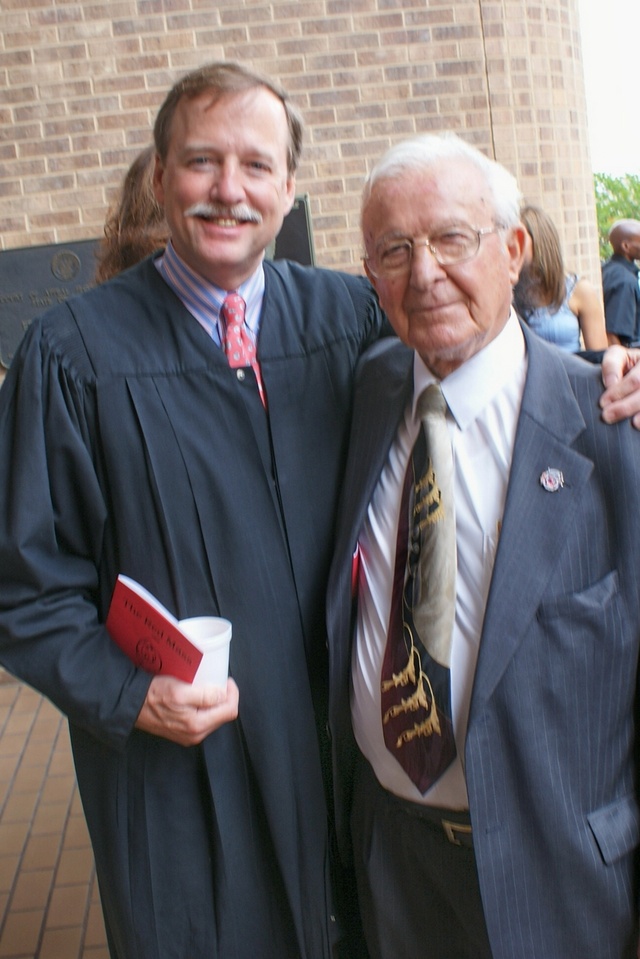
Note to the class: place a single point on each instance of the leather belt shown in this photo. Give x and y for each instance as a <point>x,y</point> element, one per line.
<point>458,833</point>
<point>454,823</point>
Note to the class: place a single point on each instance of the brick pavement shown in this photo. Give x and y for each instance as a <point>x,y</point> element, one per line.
<point>49,905</point>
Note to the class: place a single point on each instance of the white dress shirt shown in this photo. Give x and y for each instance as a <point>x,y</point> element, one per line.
<point>484,397</point>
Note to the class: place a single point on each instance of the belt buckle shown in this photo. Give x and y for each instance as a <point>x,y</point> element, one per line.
<point>453,829</point>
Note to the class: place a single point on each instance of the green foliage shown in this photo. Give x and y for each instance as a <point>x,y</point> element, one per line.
<point>617,198</point>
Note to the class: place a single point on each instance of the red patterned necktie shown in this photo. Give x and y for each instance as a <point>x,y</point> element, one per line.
<point>237,343</point>
<point>415,679</point>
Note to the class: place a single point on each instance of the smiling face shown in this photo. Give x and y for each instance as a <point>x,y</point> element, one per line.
<point>447,314</point>
<point>224,183</point>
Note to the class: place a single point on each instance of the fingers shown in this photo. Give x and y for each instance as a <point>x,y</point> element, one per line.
<point>615,363</point>
<point>620,410</point>
<point>208,696</point>
<point>186,714</point>
<point>621,376</point>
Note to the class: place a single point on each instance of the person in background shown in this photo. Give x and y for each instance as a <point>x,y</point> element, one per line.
<point>560,307</point>
<point>485,730</point>
<point>620,278</point>
<point>135,226</point>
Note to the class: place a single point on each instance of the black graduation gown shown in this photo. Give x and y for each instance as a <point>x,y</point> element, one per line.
<point>128,445</point>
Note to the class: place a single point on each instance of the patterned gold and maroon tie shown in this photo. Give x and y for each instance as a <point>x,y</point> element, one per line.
<point>415,680</point>
<point>237,342</point>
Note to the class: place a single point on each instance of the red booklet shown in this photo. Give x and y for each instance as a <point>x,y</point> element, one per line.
<point>148,633</point>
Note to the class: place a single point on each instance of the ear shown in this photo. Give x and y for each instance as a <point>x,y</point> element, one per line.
<point>290,194</point>
<point>158,185</point>
<point>372,279</point>
<point>515,243</point>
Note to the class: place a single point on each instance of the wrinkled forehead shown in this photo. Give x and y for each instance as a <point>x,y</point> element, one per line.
<point>239,103</point>
<point>412,199</point>
<point>253,118</point>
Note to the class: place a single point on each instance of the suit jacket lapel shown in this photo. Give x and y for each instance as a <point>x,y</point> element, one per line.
<point>383,392</point>
<point>385,385</point>
<point>535,521</point>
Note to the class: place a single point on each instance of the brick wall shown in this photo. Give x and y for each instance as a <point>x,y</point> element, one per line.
<point>80,83</point>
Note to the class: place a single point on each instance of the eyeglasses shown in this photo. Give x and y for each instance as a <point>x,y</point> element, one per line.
<point>454,245</point>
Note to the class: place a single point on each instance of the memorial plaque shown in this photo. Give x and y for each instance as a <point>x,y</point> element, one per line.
<point>34,278</point>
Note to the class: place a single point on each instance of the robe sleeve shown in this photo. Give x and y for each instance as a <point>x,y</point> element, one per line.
<point>52,523</point>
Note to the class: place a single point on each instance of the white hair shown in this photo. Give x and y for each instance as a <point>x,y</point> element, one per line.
<point>422,152</point>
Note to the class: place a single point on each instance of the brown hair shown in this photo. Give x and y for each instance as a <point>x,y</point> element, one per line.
<point>135,225</point>
<point>547,267</point>
<point>220,78</point>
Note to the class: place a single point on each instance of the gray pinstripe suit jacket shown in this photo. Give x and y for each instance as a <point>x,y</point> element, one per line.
<point>551,751</point>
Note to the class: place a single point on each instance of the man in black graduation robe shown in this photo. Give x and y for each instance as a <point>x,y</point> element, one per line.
<point>129,445</point>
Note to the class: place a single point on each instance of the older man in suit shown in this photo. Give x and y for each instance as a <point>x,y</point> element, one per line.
<point>502,819</point>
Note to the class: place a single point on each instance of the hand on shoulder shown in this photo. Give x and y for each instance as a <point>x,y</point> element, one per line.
<point>621,377</point>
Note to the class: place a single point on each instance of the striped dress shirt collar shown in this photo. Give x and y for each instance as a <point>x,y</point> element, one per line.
<point>204,299</point>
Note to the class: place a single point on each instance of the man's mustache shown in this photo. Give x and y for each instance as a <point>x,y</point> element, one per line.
<point>214,211</point>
